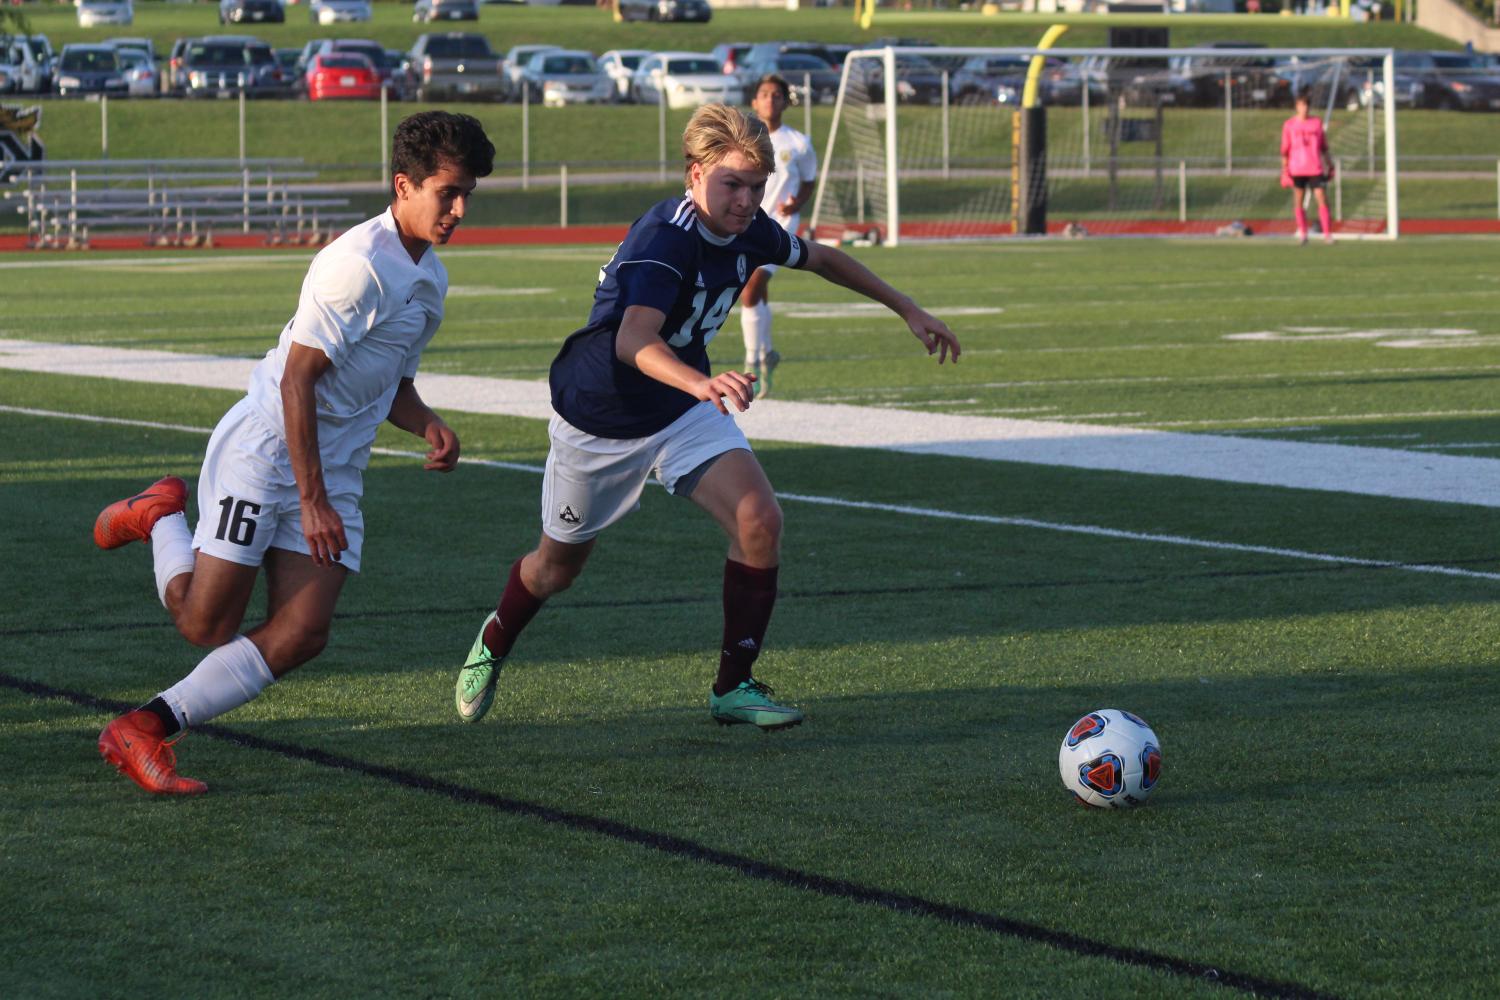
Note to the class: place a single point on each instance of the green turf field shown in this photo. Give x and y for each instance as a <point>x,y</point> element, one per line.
<point>1325,824</point>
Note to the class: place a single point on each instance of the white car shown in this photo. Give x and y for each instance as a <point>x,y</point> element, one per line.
<point>142,78</point>
<point>565,77</point>
<point>618,65</point>
<point>683,80</point>
<point>93,13</point>
<point>513,64</point>
<point>339,11</point>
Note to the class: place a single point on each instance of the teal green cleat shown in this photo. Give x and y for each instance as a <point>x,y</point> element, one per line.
<point>773,358</point>
<point>752,703</point>
<point>476,681</point>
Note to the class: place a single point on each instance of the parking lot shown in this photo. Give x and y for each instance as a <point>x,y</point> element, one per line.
<point>241,50</point>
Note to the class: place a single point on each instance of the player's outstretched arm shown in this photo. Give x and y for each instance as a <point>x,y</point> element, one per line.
<point>639,345</point>
<point>412,415</point>
<point>321,524</point>
<point>832,264</point>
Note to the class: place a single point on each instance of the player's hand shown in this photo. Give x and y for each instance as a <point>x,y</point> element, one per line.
<point>934,335</point>
<point>324,531</point>
<point>444,454</point>
<point>787,208</point>
<point>737,387</point>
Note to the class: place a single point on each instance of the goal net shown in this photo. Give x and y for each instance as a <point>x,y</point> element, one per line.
<point>986,142</point>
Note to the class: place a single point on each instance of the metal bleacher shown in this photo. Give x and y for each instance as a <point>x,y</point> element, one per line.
<point>173,202</point>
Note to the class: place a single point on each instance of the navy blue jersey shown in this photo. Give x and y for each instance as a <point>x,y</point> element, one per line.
<point>668,261</point>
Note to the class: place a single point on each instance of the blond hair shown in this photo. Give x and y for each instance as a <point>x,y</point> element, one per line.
<point>717,130</point>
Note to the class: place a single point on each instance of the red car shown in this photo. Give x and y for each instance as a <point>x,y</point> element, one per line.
<point>342,74</point>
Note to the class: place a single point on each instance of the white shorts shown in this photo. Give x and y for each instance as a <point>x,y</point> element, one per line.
<point>247,495</point>
<point>592,482</point>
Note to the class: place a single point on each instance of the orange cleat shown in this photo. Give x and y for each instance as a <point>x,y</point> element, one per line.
<point>136,745</point>
<point>131,520</point>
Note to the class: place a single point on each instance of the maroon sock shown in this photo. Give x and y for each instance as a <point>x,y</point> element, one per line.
<point>749,596</point>
<point>517,607</point>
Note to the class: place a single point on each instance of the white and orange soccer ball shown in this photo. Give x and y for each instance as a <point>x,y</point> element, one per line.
<point>1110,759</point>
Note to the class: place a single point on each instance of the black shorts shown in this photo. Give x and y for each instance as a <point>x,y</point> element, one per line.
<point>1315,181</point>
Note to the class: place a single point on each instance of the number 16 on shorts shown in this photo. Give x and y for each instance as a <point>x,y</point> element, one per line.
<point>236,521</point>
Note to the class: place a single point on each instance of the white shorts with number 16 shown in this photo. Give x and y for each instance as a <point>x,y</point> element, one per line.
<point>247,495</point>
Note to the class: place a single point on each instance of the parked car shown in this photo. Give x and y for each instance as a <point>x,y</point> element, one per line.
<point>666,10</point>
<point>918,79</point>
<point>729,54</point>
<point>618,65</point>
<point>94,13</point>
<point>683,80</point>
<point>338,11</point>
<point>387,70</point>
<point>28,63</point>
<point>402,83</point>
<point>1064,80</point>
<point>346,75</point>
<point>1254,80</point>
<point>811,77</point>
<point>989,80</point>
<point>89,69</point>
<point>763,52</point>
<point>142,78</point>
<point>1452,81</point>
<point>287,60</point>
<point>445,10</point>
<point>145,45</point>
<point>224,65</point>
<point>1142,82</point>
<point>511,66</point>
<point>176,66</point>
<point>455,64</point>
<point>251,11</point>
<point>565,76</point>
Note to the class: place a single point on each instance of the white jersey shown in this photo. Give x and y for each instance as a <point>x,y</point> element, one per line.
<point>371,310</point>
<point>796,164</point>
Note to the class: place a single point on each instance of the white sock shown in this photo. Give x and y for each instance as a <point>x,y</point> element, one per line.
<point>227,678</point>
<point>171,551</point>
<point>755,324</point>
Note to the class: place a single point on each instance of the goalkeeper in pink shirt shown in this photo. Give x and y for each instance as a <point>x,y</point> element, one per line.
<point>1305,164</point>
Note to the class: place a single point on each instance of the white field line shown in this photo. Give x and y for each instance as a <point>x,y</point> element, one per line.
<point>1383,472</point>
<point>1326,418</point>
<point>903,509</point>
<point>1186,380</point>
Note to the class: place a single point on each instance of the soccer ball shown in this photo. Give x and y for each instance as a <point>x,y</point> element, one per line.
<point>1110,759</point>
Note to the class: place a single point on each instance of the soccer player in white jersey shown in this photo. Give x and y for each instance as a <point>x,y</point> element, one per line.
<point>787,190</point>
<point>634,397</point>
<point>282,476</point>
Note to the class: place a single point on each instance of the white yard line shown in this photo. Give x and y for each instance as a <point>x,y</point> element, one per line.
<point>905,510</point>
<point>1338,468</point>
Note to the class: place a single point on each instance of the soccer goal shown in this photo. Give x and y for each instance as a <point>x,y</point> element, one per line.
<point>988,142</point>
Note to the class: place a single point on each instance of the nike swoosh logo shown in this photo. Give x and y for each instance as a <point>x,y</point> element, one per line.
<point>126,741</point>
<point>410,297</point>
<point>465,703</point>
<point>129,504</point>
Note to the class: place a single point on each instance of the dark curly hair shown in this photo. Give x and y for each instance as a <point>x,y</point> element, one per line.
<point>426,141</point>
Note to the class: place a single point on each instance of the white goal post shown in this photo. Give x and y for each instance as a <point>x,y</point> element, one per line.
<point>976,143</point>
